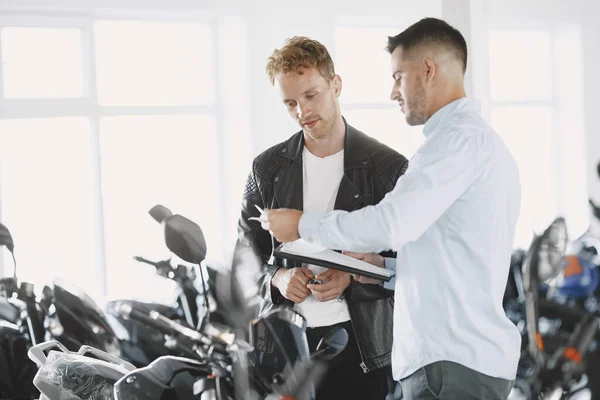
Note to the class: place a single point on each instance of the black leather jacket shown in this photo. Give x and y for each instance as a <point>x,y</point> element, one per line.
<point>371,169</point>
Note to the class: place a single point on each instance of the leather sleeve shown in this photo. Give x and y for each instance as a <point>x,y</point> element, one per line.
<point>250,233</point>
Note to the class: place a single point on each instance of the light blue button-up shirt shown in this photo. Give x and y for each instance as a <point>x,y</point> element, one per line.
<point>451,218</point>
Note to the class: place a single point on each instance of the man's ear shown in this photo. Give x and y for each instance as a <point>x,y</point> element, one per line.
<point>336,81</point>
<point>429,69</point>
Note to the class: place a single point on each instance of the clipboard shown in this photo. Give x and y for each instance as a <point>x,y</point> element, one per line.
<point>328,258</point>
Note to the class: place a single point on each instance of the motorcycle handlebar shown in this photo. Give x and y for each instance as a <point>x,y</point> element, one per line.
<point>146,261</point>
<point>160,322</point>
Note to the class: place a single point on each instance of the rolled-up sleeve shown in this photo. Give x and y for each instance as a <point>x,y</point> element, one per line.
<point>441,171</point>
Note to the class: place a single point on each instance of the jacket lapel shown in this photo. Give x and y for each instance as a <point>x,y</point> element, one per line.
<point>288,186</point>
<point>356,157</point>
<point>349,196</point>
<point>288,183</point>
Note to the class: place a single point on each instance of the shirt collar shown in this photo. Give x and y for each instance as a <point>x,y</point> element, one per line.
<point>448,110</point>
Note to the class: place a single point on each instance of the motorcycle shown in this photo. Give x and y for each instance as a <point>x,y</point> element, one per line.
<point>260,358</point>
<point>77,319</point>
<point>64,313</point>
<point>560,332</point>
<point>142,344</point>
<point>18,323</point>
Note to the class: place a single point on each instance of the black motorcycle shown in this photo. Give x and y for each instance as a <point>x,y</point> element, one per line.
<point>143,344</point>
<point>78,320</point>
<point>19,330</point>
<point>261,358</point>
<point>64,313</point>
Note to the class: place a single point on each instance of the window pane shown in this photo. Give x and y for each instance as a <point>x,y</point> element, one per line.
<point>520,65</point>
<point>529,134</point>
<point>153,64</point>
<point>364,64</point>
<point>42,62</point>
<point>389,127</point>
<point>149,160</point>
<point>47,199</point>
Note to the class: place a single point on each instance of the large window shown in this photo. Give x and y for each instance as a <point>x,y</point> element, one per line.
<point>47,197</point>
<point>100,119</point>
<point>536,92</point>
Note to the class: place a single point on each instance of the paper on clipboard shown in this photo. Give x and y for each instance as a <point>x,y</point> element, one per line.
<point>301,250</point>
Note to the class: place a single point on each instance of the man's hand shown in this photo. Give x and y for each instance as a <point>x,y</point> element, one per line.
<point>291,283</point>
<point>282,223</point>
<point>337,282</point>
<point>371,258</point>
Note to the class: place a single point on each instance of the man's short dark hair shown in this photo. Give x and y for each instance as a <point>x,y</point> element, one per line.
<point>431,31</point>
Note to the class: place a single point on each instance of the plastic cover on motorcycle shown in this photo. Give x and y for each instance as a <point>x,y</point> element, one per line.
<point>77,377</point>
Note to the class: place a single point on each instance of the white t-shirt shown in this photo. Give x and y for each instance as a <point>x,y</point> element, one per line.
<point>321,181</point>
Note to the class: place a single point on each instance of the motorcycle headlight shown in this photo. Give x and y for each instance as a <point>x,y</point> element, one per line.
<point>109,343</point>
<point>97,329</point>
<point>112,347</point>
<point>53,325</point>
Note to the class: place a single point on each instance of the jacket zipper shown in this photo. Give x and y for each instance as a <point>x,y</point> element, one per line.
<point>362,364</point>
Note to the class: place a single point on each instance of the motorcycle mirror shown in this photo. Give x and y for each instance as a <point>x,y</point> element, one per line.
<point>332,344</point>
<point>595,208</point>
<point>6,238</point>
<point>160,213</point>
<point>185,239</point>
<point>551,251</point>
<point>544,262</point>
<point>237,286</point>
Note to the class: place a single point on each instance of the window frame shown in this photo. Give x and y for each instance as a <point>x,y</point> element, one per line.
<point>88,106</point>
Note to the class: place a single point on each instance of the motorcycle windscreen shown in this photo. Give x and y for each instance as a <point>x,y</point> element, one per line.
<point>167,378</point>
<point>280,345</point>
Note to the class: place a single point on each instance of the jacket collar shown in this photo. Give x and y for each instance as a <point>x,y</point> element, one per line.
<point>288,183</point>
<point>356,154</point>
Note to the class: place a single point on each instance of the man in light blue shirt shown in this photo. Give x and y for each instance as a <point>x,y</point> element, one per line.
<point>451,218</point>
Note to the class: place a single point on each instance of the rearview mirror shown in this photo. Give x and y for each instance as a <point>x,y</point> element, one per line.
<point>6,238</point>
<point>543,263</point>
<point>550,253</point>
<point>160,213</point>
<point>332,344</point>
<point>185,239</point>
<point>237,287</point>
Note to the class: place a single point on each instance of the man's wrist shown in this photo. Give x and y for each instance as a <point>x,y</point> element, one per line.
<point>308,224</point>
<point>275,278</point>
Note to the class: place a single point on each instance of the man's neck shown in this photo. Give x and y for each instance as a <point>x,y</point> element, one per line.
<point>443,99</point>
<point>331,144</point>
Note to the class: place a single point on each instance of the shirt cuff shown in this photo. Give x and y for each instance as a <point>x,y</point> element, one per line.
<point>390,264</point>
<point>308,226</point>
